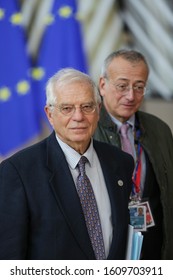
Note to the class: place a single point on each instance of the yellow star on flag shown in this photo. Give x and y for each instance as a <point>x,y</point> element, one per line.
<point>4,94</point>
<point>65,11</point>
<point>23,87</point>
<point>38,73</point>
<point>16,18</point>
<point>2,14</point>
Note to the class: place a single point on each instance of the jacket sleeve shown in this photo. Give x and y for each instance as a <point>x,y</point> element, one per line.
<point>13,214</point>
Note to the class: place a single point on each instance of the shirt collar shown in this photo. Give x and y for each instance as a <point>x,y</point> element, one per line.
<point>72,156</point>
<point>130,121</point>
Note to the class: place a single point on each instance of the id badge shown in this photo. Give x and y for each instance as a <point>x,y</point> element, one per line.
<point>149,217</point>
<point>138,217</point>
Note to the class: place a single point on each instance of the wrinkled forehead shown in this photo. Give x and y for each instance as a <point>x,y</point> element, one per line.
<point>125,69</point>
<point>75,92</point>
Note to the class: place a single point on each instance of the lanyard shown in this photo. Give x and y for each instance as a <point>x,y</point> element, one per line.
<point>137,172</point>
<point>138,167</point>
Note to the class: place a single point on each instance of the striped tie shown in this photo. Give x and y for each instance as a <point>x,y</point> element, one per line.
<point>125,142</point>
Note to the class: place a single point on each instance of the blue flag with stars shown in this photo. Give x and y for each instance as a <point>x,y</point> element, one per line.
<point>18,122</point>
<point>61,46</point>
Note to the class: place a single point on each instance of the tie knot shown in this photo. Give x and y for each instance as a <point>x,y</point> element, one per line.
<point>124,128</point>
<point>81,164</point>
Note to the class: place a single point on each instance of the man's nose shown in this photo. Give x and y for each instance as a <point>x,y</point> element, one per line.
<point>78,114</point>
<point>130,93</point>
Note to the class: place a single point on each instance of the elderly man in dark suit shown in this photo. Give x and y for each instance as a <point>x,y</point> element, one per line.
<point>42,215</point>
<point>123,84</point>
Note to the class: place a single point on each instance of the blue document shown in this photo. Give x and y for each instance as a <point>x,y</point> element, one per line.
<point>134,244</point>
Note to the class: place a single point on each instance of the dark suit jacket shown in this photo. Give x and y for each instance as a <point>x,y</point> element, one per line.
<point>40,212</point>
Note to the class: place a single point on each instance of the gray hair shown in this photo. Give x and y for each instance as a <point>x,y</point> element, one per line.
<point>132,56</point>
<point>66,76</point>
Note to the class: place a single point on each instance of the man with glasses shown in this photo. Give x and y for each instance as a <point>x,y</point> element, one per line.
<point>123,84</point>
<point>66,197</point>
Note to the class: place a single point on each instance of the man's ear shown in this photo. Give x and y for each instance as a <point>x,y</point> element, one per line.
<point>102,85</point>
<point>100,106</point>
<point>48,114</point>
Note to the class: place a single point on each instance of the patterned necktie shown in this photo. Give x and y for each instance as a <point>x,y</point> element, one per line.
<point>90,210</point>
<point>125,142</point>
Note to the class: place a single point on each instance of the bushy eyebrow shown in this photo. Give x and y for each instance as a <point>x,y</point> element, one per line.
<point>126,80</point>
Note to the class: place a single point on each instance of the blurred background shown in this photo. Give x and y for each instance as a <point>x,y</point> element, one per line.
<point>38,37</point>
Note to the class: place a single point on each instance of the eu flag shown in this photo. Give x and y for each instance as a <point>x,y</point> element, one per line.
<point>18,123</point>
<point>61,46</point>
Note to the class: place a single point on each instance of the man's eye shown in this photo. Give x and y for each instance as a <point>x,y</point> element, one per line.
<point>139,88</point>
<point>121,87</point>
<point>67,109</point>
<point>87,107</point>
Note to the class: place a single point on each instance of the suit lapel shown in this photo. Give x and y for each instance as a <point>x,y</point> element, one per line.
<point>115,190</point>
<point>66,196</point>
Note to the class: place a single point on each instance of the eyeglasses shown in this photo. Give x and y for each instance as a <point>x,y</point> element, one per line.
<point>68,110</point>
<point>123,89</point>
